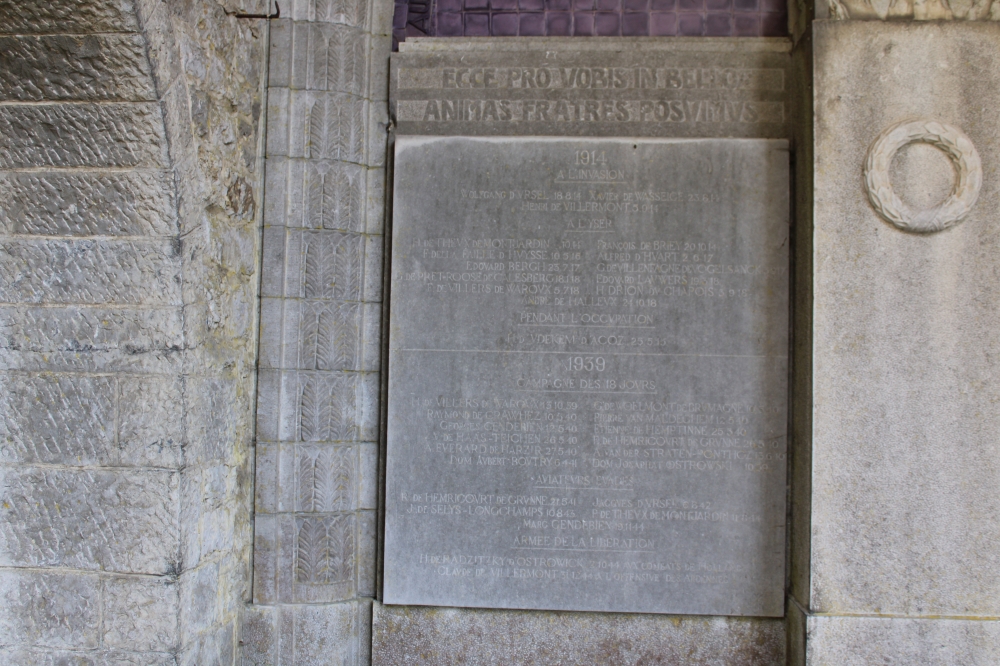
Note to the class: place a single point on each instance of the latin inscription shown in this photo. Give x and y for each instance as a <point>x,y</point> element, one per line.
<point>583,89</point>
<point>587,375</point>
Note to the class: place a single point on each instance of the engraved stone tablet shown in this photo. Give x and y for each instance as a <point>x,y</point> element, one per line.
<point>592,87</point>
<point>587,375</point>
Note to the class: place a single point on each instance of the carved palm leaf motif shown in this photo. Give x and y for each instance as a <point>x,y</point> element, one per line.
<point>326,479</point>
<point>327,409</point>
<point>333,196</point>
<point>320,272</point>
<point>347,280</point>
<point>341,11</point>
<point>315,335</point>
<point>311,552</point>
<point>340,549</point>
<point>321,199</point>
<point>342,340</point>
<point>336,128</point>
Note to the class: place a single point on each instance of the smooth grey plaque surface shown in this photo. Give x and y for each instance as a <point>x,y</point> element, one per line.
<point>587,375</point>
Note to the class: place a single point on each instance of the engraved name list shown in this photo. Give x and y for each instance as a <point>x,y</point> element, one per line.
<point>587,375</point>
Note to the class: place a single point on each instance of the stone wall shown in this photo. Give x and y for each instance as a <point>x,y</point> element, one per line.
<point>129,197</point>
<point>321,311</point>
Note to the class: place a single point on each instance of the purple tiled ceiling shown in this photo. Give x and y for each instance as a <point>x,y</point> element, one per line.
<point>587,18</point>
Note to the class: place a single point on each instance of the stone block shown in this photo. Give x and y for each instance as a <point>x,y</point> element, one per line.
<point>373,269</point>
<point>84,331</point>
<point>326,195</point>
<point>326,126</point>
<point>371,335</point>
<point>279,69</point>
<point>272,344</point>
<point>368,479</point>
<point>322,335</point>
<point>269,383</point>
<point>75,67</point>
<point>200,601</point>
<point>140,614</point>
<point>314,635</point>
<point>90,272</point>
<point>276,182</point>
<point>96,203</point>
<point>68,16</point>
<point>411,635</point>
<point>325,265</point>
<point>273,262</point>
<point>278,121</point>
<point>348,12</point>
<point>90,135</point>
<point>320,635</point>
<point>259,639</point>
<point>904,468</point>
<point>861,641</point>
<point>55,610</point>
<point>216,646</point>
<point>306,558</point>
<point>89,519</point>
<point>329,57</point>
<point>378,64</point>
<point>378,134</point>
<point>151,422</point>
<point>309,478</point>
<point>216,415</point>
<point>375,202</point>
<point>67,419</point>
<point>380,21</point>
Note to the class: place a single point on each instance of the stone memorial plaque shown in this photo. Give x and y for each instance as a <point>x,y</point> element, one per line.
<point>684,87</point>
<point>588,375</point>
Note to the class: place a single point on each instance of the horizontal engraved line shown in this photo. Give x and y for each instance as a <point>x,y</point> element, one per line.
<point>593,182</point>
<point>587,550</point>
<point>620,490</point>
<point>585,326</point>
<point>561,391</point>
<point>516,351</point>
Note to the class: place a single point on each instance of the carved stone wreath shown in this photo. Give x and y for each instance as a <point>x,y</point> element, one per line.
<point>952,142</point>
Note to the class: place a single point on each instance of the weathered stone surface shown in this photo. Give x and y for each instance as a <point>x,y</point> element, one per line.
<point>90,271</point>
<point>140,614</point>
<point>935,10</point>
<point>67,16</point>
<point>862,641</point>
<point>89,519</point>
<point>308,635</point>
<point>138,203</point>
<point>214,647</point>
<point>50,609</point>
<point>69,419</point>
<point>607,347</point>
<point>81,135</point>
<point>151,421</point>
<point>904,467</point>
<point>412,635</point>
<point>35,657</point>
<point>90,338</point>
<point>75,67</point>
<point>168,326</point>
<point>630,86</point>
